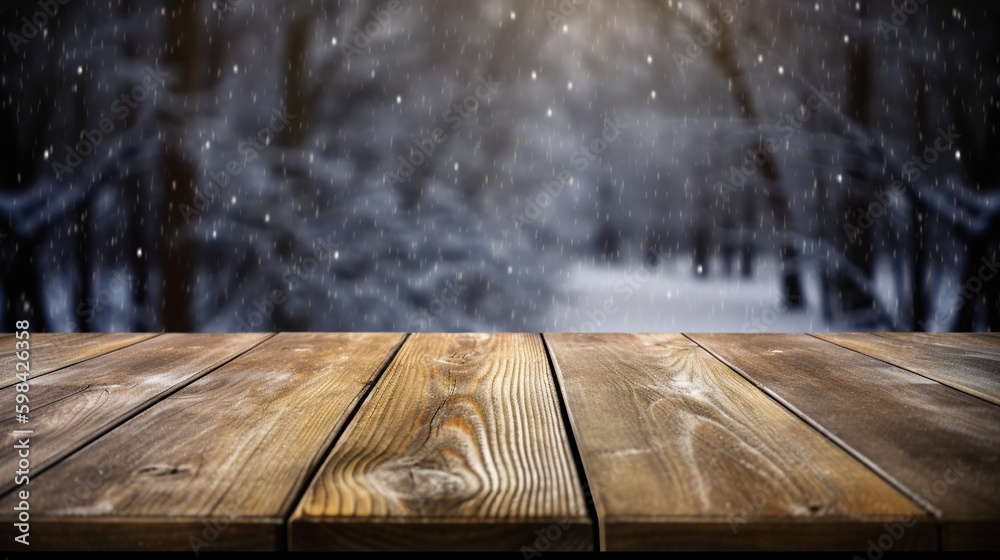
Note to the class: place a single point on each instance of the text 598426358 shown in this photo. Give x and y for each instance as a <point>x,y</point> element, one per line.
<point>22,445</point>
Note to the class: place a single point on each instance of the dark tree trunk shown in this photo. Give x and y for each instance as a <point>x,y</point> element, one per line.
<point>178,172</point>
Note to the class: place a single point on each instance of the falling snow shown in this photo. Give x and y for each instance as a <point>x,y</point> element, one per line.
<point>511,165</point>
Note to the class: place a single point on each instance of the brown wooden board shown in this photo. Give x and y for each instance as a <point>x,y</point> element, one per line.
<point>994,335</point>
<point>957,360</point>
<point>75,405</point>
<point>984,341</point>
<point>987,342</point>
<point>681,453</point>
<point>461,445</point>
<point>217,465</point>
<point>49,352</point>
<point>938,444</point>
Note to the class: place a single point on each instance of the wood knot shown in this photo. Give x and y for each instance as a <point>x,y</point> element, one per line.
<point>163,470</point>
<point>422,486</point>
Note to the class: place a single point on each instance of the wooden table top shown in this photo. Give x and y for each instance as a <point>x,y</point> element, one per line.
<point>524,442</point>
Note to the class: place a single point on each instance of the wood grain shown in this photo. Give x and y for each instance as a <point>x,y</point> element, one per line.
<point>681,453</point>
<point>50,352</point>
<point>73,406</point>
<point>460,446</point>
<point>985,342</point>
<point>957,360</point>
<point>232,449</point>
<point>938,444</point>
<point>995,335</point>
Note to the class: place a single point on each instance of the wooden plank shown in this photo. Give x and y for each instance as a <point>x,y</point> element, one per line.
<point>50,352</point>
<point>218,464</point>
<point>73,406</point>
<point>460,446</point>
<point>984,342</point>
<point>940,445</point>
<point>987,340</point>
<point>681,453</point>
<point>952,359</point>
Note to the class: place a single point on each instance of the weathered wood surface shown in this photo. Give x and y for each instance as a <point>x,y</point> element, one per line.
<point>475,441</point>
<point>939,445</point>
<point>461,445</point>
<point>233,449</point>
<point>682,453</point>
<point>959,361</point>
<point>75,405</point>
<point>50,352</point>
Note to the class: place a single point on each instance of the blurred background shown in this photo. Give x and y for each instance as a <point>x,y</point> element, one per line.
<point>584,165</point>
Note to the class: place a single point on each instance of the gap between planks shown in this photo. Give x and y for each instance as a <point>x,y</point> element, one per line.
<point>430,450</point>
<point>325,453</point>
<point>588,498</point>
<point>918,431</point>
<point>41,466</point>
<point>160,494</point>
<point>882,473</point>
<point>64,356</point>
<point>985,389</point>
<point>651,429</point>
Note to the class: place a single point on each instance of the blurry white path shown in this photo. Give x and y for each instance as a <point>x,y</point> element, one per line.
<point>632,298</point>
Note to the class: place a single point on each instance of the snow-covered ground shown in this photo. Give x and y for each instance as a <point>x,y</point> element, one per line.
<point>637,298</point>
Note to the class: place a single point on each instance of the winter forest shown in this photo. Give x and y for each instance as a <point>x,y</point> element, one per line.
<point>515,165</point>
